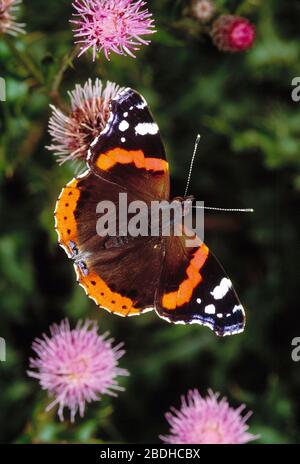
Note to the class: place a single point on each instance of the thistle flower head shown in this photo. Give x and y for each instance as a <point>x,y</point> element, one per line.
<point>203,10</point>
<point>73,133</point>
<point>112,26</point>
<point>76,366</point>
<point>207,421</point>
<point>8,23</point>
<point>233,33</point>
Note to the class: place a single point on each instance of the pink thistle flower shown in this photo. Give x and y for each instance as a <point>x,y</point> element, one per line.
<point>73,133</point>
<point>76,366</point>
<point>112,26</point>
<point>8,23</point>
<point>233,33</point>
<point>207,421</point>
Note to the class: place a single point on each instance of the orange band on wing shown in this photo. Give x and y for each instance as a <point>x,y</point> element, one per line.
<point>185,291</point>
<point>103,296</point>
<point>65,222</point>
<point>109,159</point>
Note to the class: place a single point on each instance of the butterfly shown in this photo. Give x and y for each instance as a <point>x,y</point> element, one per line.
<point>128,276</point>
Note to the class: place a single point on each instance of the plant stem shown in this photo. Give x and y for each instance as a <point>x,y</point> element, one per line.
<point>66,62</point>
<point>25,59</point>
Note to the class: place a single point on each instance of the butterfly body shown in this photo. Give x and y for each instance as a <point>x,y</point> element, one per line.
<point>126,274</point>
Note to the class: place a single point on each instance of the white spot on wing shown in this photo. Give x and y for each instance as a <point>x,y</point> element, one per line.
<point>144,128</point>
<point>141,106</point>
<point>221,290</point>
<point>123,126</point>
<point>210,309</point>
<point>238,308</point>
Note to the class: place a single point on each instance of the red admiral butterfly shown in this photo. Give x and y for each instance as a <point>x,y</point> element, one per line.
<point>128,277</point>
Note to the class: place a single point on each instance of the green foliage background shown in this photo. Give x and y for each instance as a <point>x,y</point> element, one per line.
<point>249,157</point>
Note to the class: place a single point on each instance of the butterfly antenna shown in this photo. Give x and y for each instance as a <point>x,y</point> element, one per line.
<point>192,165</point>
<point>230,210</point>
<point>212,208</point>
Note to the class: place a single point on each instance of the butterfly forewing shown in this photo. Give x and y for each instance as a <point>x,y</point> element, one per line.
<point>195,289</point>
<point>130,151</point>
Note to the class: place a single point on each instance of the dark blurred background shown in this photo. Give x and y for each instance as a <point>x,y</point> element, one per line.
<point>249,157</point>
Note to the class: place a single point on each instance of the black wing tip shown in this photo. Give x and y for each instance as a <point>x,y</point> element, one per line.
<point>235,326</point>
<point>128,96</point>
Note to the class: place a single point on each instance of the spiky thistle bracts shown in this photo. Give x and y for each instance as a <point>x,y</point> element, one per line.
<point>8,20</point>
<point>73,132</point>
<point>232,33</point>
